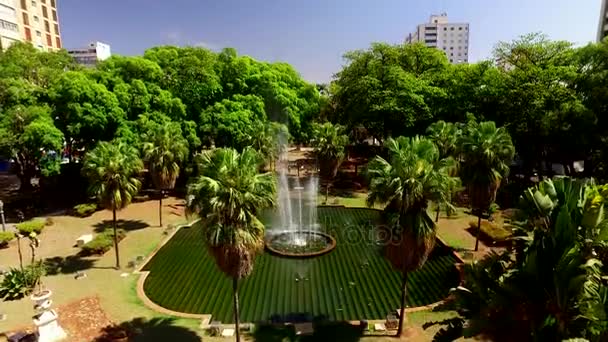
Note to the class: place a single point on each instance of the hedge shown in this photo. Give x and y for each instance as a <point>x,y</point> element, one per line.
<point>492,230</point>
<point>85,209</point>
<point>27,227</point>
<point>5,238</point>
<point>102,242</point>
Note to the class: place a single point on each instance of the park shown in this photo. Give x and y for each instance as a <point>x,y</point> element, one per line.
<point>189,195</point>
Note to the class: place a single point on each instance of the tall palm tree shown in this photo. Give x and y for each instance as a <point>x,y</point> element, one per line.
<point>487,152</point>
<point>164,149</point>
<point>112,169</point>
<point>329,145</point>
<point>413,176</point>
<point>229,195</point>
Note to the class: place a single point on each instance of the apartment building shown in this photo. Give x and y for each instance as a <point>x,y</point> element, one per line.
<point>602,30</point>
<point>39,23</point>
<point>92,54</point>
<point>451,38</point>
<point>9,25</point>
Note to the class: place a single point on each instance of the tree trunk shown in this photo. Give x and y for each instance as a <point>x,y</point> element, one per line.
<point>478,230</point>
<point>33,248</point>
<point>235,288</point>
<point>19,251</point>
<point>403,300</point>
<point>115,239</point>
<point>160,208</point>
<point>437,215</point>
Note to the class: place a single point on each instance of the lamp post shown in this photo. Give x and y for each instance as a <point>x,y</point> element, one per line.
<point>2,215</point>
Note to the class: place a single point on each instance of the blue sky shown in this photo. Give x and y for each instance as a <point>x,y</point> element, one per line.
<point>312,35</point>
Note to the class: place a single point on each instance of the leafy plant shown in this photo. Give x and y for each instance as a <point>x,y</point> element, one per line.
<point>5,238</point>
<point>329,145</point>
<point>32,226</point>
<point>19,283</point>
<point>85,209</point>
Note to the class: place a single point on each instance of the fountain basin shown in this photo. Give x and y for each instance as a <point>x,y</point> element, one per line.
<point>300,244</point>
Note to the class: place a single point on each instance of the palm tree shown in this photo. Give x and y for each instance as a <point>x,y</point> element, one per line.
<point>329,145</point>
<point>164,149</point>
<point>229,195</point>
<point>413,176</point>
<point>112,169</point>
<point>487,152</point>
<point>445,135</point>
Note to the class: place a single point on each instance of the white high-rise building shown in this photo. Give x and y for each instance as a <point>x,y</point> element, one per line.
<point>92,54</point>
<point>451,38</point>
<point>9,25</point>
<point>602,30</point>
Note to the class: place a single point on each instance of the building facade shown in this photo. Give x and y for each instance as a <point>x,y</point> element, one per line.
<point>92,54</point>
<point>9,25</point>
<point>602,30</point>
<point>451,38</point>
<point>39,23</point>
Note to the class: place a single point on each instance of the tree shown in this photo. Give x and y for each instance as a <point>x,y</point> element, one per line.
<point>553,289</point>
<point>27,134</point>
<point>413,176</point>
<point>329,144</point>
<point>112,170</point>
<point>487,152</point>
<point>229,196</point>
<point>164,150</point>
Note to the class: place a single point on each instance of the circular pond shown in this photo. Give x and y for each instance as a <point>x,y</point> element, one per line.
<point>302,244</point>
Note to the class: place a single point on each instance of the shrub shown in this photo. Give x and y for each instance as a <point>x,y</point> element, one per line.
<point>26,228</point>
<point>492,230</point>
<point>85,209</point>
<point>5,238</point>
<point>102,242</point>
<point>20,283</point>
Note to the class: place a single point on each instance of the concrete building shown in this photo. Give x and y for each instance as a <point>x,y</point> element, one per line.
<point>92,54</point>
<point>451,38</point>
<point>9,24</point>
<point>602,30</point>
<point>39,23</point>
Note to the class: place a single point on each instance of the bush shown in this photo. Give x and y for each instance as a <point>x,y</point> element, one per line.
<point>18,284</point>
<point>102,242</point>
<point>5,238</point>
<point>492,230</point>
<point>85,209</point>
<point>26,228</point>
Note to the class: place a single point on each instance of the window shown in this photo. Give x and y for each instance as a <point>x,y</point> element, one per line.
<point>55,15</point>
<point>58,42</point>
<point>49,40</point>
<point>451,48</point>
<point>451,29</point>
<point>28,34</point>
<point>445,28</point>
<point>451,61</point>
<point>23,4</point>
<point>460,40</point>
<point>34,3</point>
<point>26,19</point>
<point>47,27</point>
<point>36,19</point>
<point>459,54</point>
<point>56,29</point>
<point>53,3</point>
<point>451,54</point>
<point>7,10</point>
<point>7,25</point>
<point>43,1</point>
<point>44,12</point>
<point>38,34</point>
<point>459,29</point>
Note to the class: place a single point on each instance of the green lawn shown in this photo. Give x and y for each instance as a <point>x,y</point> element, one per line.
<point>352,282</point>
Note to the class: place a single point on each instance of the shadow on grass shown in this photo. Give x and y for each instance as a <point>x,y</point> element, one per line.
<point>144,330</point>
<point>70,264</point>
<point>330,332</point>
<point>127,225</point>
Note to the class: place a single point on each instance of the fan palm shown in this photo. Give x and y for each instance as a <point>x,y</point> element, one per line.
<point>329,144</point>
<point>487,152</point>
<point>112,169</point>
<point>228,196</point>
<point>164,149</point>
<point>413,176</point>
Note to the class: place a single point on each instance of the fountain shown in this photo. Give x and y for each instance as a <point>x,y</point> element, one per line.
<point>297,232</point>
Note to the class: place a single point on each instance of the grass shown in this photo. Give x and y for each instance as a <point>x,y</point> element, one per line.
<point>352,282</point>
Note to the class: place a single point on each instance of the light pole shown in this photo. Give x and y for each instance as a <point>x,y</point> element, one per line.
<point>2,215</point>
